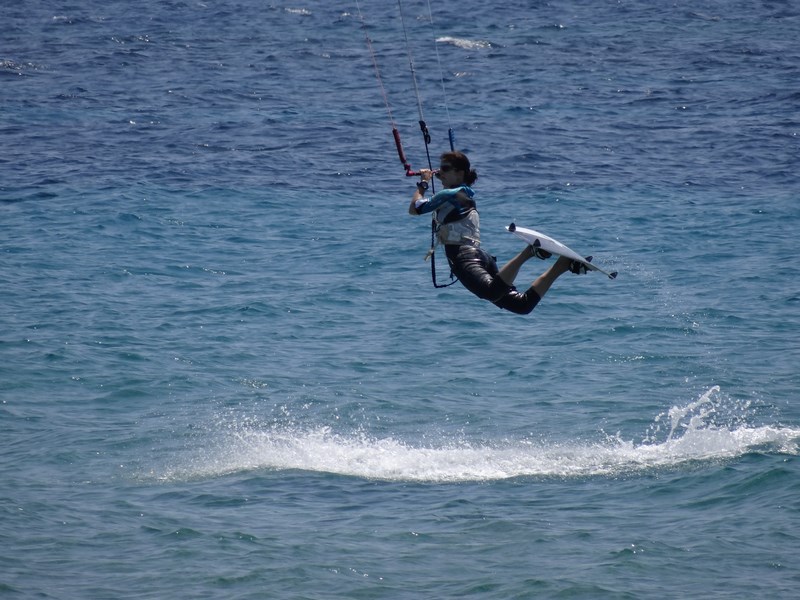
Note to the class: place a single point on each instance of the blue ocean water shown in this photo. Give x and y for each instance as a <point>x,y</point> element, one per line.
<point>224,372</point>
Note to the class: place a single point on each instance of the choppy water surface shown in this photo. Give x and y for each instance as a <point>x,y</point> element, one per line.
<point>224,371</point>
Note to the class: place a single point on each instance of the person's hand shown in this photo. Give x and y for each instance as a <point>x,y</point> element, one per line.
<point>426,174</point>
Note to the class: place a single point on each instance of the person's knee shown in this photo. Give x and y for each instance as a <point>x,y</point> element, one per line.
<point>520,310</point>
<point>521,304</point>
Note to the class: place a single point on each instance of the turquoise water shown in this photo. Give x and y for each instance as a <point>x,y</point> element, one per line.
<point>224,372</point>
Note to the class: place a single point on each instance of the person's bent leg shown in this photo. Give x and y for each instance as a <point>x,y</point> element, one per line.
<point>508,273</point>
<point>522,303</point>
<point>546,279</point>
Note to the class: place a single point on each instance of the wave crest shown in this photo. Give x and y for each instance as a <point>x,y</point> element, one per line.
<point>464,43</point>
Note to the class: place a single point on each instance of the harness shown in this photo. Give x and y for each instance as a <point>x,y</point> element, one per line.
<point>465,230</point>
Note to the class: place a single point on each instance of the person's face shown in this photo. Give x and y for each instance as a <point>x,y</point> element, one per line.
<point>449,176</point>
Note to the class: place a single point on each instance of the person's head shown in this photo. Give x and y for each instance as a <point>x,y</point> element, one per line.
<point>455,170</point>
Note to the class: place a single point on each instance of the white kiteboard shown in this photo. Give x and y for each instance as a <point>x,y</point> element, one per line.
<point>548,244</point>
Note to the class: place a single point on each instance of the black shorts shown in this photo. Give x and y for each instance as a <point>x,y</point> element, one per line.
<point>477,270</point>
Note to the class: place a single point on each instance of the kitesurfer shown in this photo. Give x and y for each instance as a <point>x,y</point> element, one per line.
<point>458,229</point>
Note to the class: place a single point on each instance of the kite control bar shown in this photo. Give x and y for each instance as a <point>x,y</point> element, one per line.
<point>400,153</point>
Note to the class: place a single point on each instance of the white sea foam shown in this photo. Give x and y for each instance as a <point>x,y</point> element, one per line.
<point>693,436</point>
<point>464,44</point>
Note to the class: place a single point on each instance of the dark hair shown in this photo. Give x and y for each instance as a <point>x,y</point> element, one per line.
<point>460,162</point>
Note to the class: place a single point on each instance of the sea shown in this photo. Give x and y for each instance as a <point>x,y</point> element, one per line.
<point>225,371</point>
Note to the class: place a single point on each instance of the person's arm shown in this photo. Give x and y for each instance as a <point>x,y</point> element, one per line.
<point>418,193</point>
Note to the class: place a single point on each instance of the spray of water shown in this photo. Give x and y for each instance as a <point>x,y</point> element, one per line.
<point>707,429</point>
